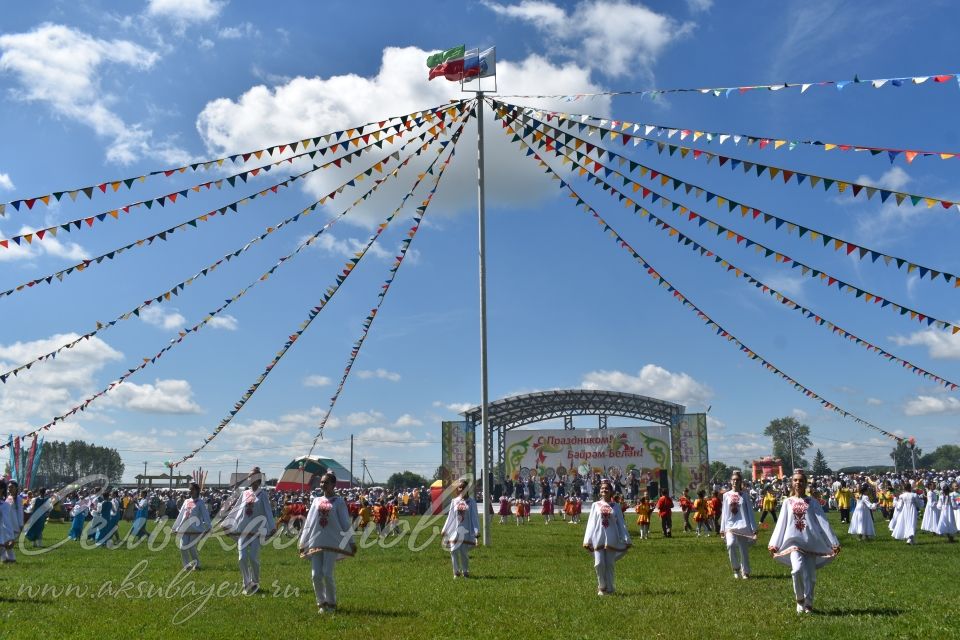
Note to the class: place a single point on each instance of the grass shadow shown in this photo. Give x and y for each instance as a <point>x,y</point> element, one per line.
<point>378,613</point>
<point>843,613</point>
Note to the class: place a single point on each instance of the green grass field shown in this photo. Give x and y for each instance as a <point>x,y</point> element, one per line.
<point>535,581</point>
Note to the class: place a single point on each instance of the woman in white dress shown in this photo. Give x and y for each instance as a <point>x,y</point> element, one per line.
<point>460,531</point>
<point>947,524</point>
<point>738,527</point>
<point>192,522</point>
<point>931,510</point>
<point>606,537</point>
<point>861,522</point>
<point>803,540</point>
<point>327,537</point>
<point>903,525</point>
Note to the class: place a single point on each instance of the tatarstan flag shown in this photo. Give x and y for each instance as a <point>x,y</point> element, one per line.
<point>448,64</point>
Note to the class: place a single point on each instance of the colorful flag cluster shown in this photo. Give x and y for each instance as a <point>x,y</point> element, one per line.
<point>113,186</point>
<point>315,311</point>
<point>740,273</point>
<point>761,142</point>
<point>380,138</point>
<point>726,92</point>
<point>686,302</point>
<point>24,463</point>
<point>177,288</point>
<point>458,64</point>
<point>436,120</point>
<point>854,188</point>
<point>368,321</point>
<point>577,149</point>
<point>184,333</point>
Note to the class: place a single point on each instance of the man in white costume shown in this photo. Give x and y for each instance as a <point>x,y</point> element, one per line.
<point>192,522</point>
<point>803,540</point>
<point>250,520</point>
<point>738,526</point>
<point>327,537</point>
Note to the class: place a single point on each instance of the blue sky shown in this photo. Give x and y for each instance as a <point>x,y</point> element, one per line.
<point>104,91</point>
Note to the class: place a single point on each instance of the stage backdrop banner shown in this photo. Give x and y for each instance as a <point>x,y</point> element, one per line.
<point>641,451</point>
<point>458,451</point>
<point>691,461</point>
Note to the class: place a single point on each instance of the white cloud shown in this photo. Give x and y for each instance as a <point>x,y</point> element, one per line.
<point>316,381</point>
<point>800,415</point>
<point>894,179</point>
<point>163,396</point>
<point>245,30</point>
<point>700,5</point>
<point>652,381</point>
<point>927,405</point>
<point>226,322</point>
<point>618,37</point>
<point>407,420</point>
<point>715,424</point>
<point>874,401</point>
<point>50,387</point>
<point>132,440</point>
<point>460,407</point>
<point>205,44</point>
<point>63,67</point>
<point>363,418</point>
<point>940,344</point>
<point>347,248</point>
<point>306,107</point>
<point>157,316</point>
<point>50,246</point>
<point>380,433</point>
<point>185,11</point>
<point>383,374</point>
<point>6,183</point>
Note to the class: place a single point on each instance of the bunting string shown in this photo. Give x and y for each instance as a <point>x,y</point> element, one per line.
<point>855,188</point>
<point>328,295</point>
<point>381,296</point>
<point>175,290</point>
<point>805,270</point>
<point>573,155</point>
<point>686,302</point>
<point>729,267</point>
<point>231,207</point>
<point>726,92</point>
<point>183,333</point>
<point>237,158</point>
<point>161,201</point>
<point>761,142</point>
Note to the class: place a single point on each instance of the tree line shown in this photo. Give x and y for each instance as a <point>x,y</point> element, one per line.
<point>65,462</point>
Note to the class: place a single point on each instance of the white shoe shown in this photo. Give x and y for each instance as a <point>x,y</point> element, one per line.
<point>744,576</point>
<point>800,608</point>
<point>736,575</point>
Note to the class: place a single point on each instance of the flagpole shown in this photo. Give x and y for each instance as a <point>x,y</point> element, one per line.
<point>484,396</point>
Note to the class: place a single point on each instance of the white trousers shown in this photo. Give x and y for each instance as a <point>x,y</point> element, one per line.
<point>803,567</point>
<point>249,560</point>
<point>603,562</point>
<point>460,557</point>
<point>738,548</point>
<point>188,549</point>
<point>8,556</point>
<point>324,588</point>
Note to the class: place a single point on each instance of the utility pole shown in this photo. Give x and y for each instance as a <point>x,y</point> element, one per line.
<point>363,474</point>
<point>793,466</point>
<point>351,461</point>
<point>144,479</point>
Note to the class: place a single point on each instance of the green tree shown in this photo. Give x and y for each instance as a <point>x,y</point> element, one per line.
<point>820,467</point>
<point>901,455</point>
<point>944,457</point>
<point>719,471</point>
<point>781,431</point>
<point>65,462</point>
<point>439,474</point>
<point>406,480</point>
